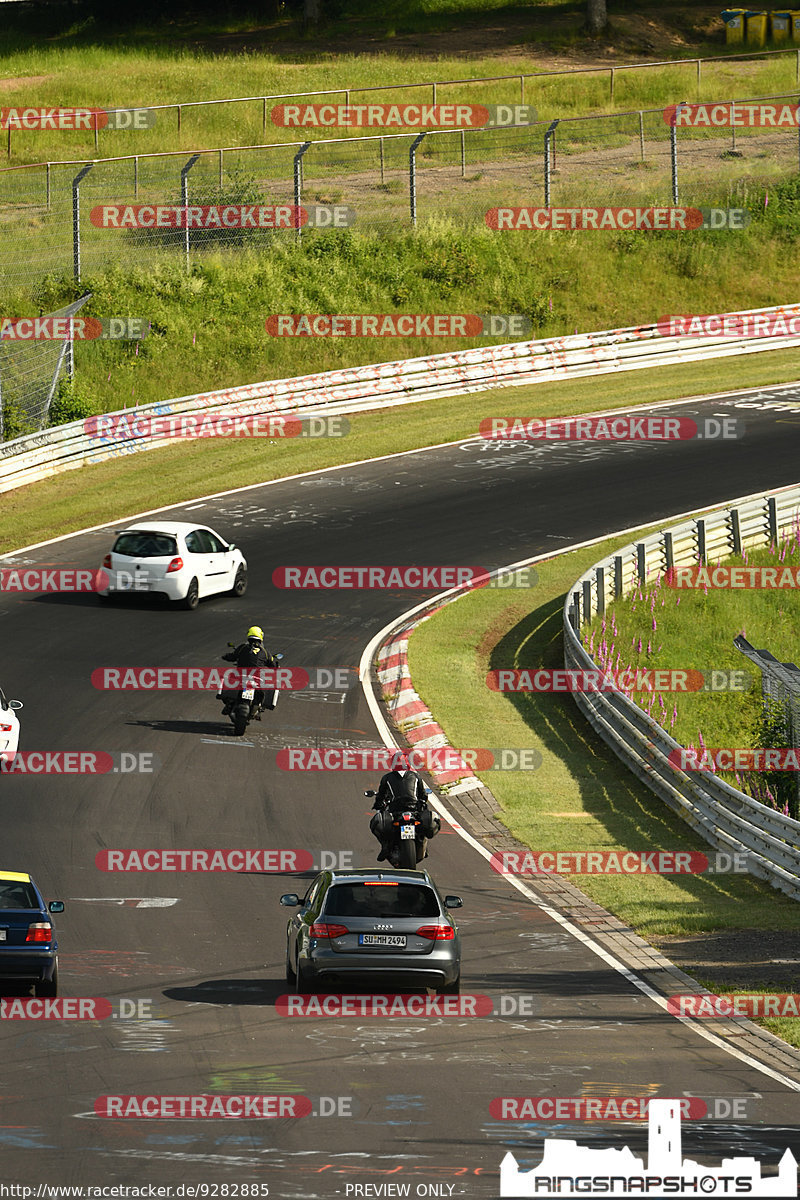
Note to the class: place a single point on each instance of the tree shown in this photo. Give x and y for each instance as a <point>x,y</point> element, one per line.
<point>596,16</point>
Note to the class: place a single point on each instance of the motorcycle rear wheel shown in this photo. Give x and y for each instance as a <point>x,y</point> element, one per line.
<point>240,717</point>
<point>407,855</point>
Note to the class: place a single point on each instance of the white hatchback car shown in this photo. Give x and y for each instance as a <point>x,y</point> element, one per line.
<point>181,561</point>
<point>9,728</point>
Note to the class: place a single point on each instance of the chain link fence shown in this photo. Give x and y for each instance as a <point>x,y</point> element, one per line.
<point>29,376</point>
<point>50,225</point>
<point>780,692</point>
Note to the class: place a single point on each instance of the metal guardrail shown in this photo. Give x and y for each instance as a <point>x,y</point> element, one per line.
<point>383,385</point>
<point>726,818</point>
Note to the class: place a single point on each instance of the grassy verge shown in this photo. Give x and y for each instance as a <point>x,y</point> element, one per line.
<point>660,626</point>
<point>108,491</point>
<point>581,797</point>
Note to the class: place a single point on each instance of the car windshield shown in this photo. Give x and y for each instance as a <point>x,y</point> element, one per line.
<point>144,544</point>
<point>17,895</point>
<point>381,900</point>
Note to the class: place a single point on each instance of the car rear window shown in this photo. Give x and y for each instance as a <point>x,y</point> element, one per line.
<point>17,895</point>
<point>145,545</point>
<point>381,900</point>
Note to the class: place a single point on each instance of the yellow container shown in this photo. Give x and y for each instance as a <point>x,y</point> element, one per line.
<point>734,24</point>
<point>794,21</point>
<point>756,28</point>
<point>780,26</point>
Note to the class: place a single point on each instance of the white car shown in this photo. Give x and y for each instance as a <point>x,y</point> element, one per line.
<point>181,561</point>
<point>9,728</point>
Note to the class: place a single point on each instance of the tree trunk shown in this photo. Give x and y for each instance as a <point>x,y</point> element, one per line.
<point>311,13</point>
<point>596,16</point>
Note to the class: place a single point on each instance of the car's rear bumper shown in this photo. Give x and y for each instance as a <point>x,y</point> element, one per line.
<point>27,964</point>
<point>436,969</point>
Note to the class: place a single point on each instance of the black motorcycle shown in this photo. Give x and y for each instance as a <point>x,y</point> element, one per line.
<point>248,703</point>
<point>404,828</point>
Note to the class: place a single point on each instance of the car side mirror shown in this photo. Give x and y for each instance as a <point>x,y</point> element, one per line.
<point>290,900</point>
<point>370,792</point>
<point>232,545</point>
<point>15,704</point>
<point>56,906</point>
<point>453,902</point>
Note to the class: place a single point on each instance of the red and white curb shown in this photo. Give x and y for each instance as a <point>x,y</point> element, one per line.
<point>409,712</point>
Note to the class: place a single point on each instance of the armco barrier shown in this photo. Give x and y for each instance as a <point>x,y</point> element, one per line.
<point>727,818</point>
<point>382,385</point>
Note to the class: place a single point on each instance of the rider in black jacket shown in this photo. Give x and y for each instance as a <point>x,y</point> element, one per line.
<point>249,654</point>
<point>398,789</point>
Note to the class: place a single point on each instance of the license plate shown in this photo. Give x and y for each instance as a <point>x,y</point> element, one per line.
<point>2,935</point>
<point>248,694</point>
<point>381,939</point>
<point>407,831</point>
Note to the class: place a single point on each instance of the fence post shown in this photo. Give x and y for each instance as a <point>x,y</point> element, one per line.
<point>136,177</point>
<point>641,134</point>
<point>736,531</point>
<point>382,163</point>
<point>463,154</point>
<point>772,517</point>
<point>617,576</point>
<point>641,565</point>
<point>612,83</point>
<point>701,541</point>
<point>433,89</point>
<point>699,64</point>
<point>185,202</point>
<point>76,219</point>
<point>179,118</point>
<point>522,88</point>
<point>673,153</point>
<point>601,590</point>
<point>587,599</point>
<point>797,67</point>
<point>8,143</point>
<point>47,183</point>
<point>412,177</point>
<point>264,116</point>
<point>551,133</point>
<point>669,555</point>
<point>221,152</point>
<point>298,185</point>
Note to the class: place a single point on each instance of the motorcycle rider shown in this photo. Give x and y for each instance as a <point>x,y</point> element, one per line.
<point>399,789</point>
<point>247,655</point>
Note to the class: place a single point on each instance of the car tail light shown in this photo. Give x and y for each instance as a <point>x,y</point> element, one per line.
<point>175,565</point>
<point>5,729</point>
<point>437,933</point>
<point>107,561</point>
<point>40,932</point>
<point>322,930</point>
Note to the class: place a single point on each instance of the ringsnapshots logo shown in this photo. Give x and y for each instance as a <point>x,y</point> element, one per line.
<point>532,863</point>
<point>628,679</point>
<point>222,216</point>
<point>122,427</point>
<point>402,116</point>
<point>400,578</point>
<point>62,119</point>
<point>626,428</point>
<point>79,329</point>
<point>396,325</point>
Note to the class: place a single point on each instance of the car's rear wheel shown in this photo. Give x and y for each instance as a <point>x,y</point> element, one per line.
<point>192,597</point>
<point>303,984</point>
<point>291,975</point>
<point>240,582</point>
<point>451,989</point>
<point>240,715</point>
<point>47,987</point>
<point>407,855</point>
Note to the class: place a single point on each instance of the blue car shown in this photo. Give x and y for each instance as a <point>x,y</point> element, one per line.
<point>28,946</point>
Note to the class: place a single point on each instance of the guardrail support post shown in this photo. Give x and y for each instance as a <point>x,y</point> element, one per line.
<point>617,576</point>
<point>298,185</point>
<point>640,562</point>
<point>185,202</point>
<point>772,518</point>
<point>76,219</point>
<point>601,590</point>
<point>412,176</point>
<point>576,608</point>
<point>669,556</point>
<point>587,600</point>
<point>736,531</point>
<point>701,540</point>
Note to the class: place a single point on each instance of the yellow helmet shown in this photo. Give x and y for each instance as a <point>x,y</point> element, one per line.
<point>255,632</point>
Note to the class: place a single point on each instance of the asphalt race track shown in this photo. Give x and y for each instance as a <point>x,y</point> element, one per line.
<point>210,956</point>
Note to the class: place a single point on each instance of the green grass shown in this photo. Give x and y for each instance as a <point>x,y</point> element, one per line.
<point>581,797</point>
